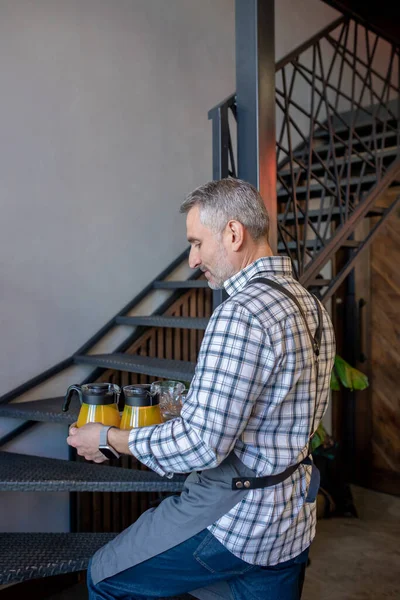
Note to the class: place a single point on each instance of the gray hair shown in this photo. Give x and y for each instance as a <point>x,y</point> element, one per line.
<point>229,199</point>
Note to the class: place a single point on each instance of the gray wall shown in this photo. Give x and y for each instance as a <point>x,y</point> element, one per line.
<point>298,20</point>
<point>103,129</point>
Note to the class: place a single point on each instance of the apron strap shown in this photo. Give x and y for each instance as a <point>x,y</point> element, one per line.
<point>254,483</point>
<point>251,483</point>
<point>315,339</point>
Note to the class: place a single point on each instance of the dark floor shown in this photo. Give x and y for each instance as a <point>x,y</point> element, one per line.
<point>351,559</point>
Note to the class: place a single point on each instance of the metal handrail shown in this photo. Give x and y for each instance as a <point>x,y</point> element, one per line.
<point>308,43</point>
<point>337,184</point>
<point>357,158</point>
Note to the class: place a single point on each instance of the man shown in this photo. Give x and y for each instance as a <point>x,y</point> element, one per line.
<point>259,392</point>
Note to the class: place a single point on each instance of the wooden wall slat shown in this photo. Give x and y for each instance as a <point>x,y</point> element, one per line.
<point>192,332</point>
<point>185,332</point>
<point>385,350</point>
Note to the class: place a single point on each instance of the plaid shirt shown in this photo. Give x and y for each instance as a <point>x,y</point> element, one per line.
<point>254,392</point>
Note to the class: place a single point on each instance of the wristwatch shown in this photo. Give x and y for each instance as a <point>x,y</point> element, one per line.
<point>104,447</point>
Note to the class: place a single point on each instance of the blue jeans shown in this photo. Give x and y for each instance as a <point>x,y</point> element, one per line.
<point>202,561</point>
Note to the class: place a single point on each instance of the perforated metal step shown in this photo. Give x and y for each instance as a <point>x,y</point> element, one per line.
<point>383,153</point>
<point>22,473</point>
<point>388,138</point>
<point>322,215</point>
<point>48,411</point>
<point>160,321</point>
<point>170,369</point>
<point>315,243</point>
<point>26,556</point>
<point>315,188</point>
<point>363,126</point>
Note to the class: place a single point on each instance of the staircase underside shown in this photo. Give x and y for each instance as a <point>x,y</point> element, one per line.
<point>45,411</point>
<point>22,473</point>
<point>25,556</point>
<point>170,369</point>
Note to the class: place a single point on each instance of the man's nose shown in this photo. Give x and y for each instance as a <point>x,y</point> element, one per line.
<point>194,259</point>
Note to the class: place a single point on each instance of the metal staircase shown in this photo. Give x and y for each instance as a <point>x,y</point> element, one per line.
<point>36,474</point>
<point>338,148</point>
<point>25,556</point>
<point>337,152</point>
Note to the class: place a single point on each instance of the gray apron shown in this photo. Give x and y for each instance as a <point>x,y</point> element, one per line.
<point>207,496</point>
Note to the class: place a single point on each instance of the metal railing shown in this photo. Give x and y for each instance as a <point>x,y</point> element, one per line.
<point>338,137</point>
<point>338,106</point>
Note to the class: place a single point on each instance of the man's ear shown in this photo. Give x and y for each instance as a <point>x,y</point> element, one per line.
<point>236,233</point>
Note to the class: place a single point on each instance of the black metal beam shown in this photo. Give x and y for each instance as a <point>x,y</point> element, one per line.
<point>347,228</point>
<point>344,272</point>
<point>14,433</point>
<point>349,354</point>
<point>220,137</point>
<point>255,91</point>
<point>37,380</point>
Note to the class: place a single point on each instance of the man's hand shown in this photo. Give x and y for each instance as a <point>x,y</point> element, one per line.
<point>86,440</point>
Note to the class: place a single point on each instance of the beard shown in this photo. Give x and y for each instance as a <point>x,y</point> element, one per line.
<point>221,270</point>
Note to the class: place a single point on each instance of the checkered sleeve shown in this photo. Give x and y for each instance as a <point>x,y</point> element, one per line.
<point>234,363</point>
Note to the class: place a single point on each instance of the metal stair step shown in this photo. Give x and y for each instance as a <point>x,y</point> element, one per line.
<point>48,410</point>
<point>316,187</point>
<point>363,139</point>
<point>170,369</point>
<point>319,283</point>
<point>310,244</point>
<point>177,285</point>
<point>292,245</point>
<point>314,215</point>
<point>377,211</point>
<point>162,321</point>
<point>355,158</point>
<point>25,556</point>
<point>363,126</point>
<point>22,473</point>
<point>351,244</point>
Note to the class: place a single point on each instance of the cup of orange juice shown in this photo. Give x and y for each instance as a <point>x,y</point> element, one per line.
<point>99,403</point>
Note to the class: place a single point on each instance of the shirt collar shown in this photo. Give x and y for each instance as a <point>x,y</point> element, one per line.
<point>272,265</point>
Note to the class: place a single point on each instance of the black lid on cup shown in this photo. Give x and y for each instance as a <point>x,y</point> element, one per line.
<point>139,395</point>
<point>100,394</point>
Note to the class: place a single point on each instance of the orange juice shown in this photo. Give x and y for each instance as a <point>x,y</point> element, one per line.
<point>108,414</point>
<point>140,416</point>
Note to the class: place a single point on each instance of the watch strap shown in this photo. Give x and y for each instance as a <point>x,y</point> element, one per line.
<point>104,435</point>
<point>103,442</point>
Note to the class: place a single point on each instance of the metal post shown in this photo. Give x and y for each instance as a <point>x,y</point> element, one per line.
<point>220,144</point>
<point>220,140</point>
<point>350,354</point>
<point>255,89</point>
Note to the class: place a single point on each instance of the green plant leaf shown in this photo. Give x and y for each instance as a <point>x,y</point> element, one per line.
<point>318,437</point>
<point>350,377</point>
<point>335,385</point>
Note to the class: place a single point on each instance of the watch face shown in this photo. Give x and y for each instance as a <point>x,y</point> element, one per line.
<point>108,452</point>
